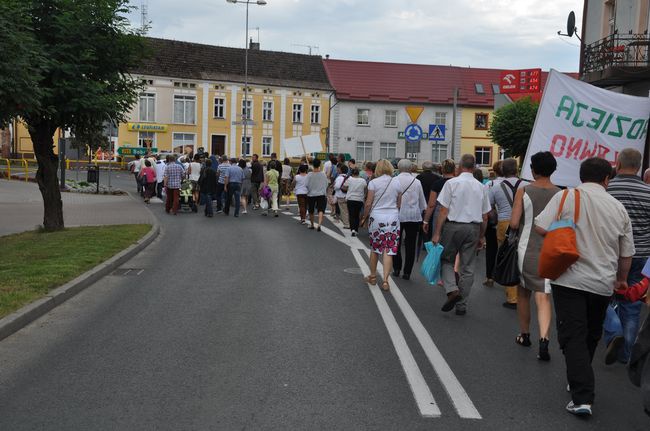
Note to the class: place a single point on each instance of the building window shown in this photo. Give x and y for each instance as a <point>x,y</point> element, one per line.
<point>180,141</point>
<point>246,109</point>
<point>246,146</point>
<point>184,109</point>
<point>479,88</point>
<point>438,153</point>
<point>297,113</point>
<point>267,146</point>
<point>390,119</point>
<point>481,121</point>
<point>267,111</point>
<point>483,156</point>
<point>496,89</point>
<point>440,119</point>
<point>363,118</point>
<point>387,150</point>
<point>146,139</point>
<point>364,151</point>
<point>147,107</point>
<point>315,114</point>
<point>219,107</point>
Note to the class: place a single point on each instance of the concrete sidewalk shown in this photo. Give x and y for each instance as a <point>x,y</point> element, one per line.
<point>21,208</point>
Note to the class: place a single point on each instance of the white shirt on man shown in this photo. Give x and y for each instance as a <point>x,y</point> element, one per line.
<point>160,170</point>
<point>603,233</point>
<point>413,202</point>
<point>465,198</point>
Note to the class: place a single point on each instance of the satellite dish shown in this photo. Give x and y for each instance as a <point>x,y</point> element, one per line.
<point>571,24</point>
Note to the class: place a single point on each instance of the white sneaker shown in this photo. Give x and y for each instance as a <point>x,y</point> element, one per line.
<point>244,212</point>
<point>579,410</point>
<point>354,233</point>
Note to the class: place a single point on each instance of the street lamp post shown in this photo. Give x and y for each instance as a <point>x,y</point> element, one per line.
<point>245,112</point>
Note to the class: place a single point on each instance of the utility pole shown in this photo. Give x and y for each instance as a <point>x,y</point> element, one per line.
<point>453,124</point>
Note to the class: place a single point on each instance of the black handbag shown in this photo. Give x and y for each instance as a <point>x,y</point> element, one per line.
<point>506,268</point>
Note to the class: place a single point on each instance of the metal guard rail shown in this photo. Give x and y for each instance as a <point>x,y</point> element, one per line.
<point>621,50</point>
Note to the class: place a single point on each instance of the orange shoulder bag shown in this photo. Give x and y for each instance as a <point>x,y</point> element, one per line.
<point>560,247</point>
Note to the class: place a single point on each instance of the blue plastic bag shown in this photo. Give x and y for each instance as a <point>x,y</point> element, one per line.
<point>430,268</point>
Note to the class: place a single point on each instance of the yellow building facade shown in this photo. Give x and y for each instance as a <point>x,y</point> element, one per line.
<point>475,122</point>
<point>180,116</point>
<point>193,96</point>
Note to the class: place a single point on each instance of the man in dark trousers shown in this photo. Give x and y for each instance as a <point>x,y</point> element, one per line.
<point>208,187</point>
<point>582,293</point>
<point>257,178</point>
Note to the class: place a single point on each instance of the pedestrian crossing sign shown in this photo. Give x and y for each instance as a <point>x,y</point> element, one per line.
<point>436,132</point>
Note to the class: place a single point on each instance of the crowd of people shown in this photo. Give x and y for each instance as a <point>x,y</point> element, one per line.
<point>465,209</point>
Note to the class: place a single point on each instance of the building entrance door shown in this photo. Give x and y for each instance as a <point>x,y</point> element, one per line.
<point>218,145</point>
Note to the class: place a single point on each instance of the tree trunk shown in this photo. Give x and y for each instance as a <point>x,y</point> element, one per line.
<point>46,176</point>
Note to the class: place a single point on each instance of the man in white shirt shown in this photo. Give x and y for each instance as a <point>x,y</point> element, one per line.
<point>160,175</point>
<point>464,206</point>
<point>582,293</point>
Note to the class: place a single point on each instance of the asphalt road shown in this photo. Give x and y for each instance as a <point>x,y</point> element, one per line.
<point>259,323</point>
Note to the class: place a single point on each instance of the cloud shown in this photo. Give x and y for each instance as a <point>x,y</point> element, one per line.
<point>506,34</point>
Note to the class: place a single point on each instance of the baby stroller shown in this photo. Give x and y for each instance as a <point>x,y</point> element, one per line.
<point>186,201</point>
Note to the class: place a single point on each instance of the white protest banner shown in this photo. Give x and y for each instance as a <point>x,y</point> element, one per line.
<point>295,147</point>
<point>576,121</point>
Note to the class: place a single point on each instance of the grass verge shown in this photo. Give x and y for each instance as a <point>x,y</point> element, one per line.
<point>34,263</point>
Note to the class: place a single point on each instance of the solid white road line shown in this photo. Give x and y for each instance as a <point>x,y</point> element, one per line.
<point>457,394</point>
<point>455,390</point>
<point>421,392</point>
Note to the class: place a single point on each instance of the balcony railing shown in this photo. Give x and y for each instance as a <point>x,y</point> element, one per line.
<point>617,50</point>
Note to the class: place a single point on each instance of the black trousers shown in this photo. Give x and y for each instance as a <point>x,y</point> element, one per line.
<point>220,196</point>
<point>159,188</point>
<point>580,316</point>
<point>407,239</point>
<point>491,248</point>
<point>354,211</point>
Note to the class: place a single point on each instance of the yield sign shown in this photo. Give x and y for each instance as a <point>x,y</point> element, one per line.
<point>414,112</point>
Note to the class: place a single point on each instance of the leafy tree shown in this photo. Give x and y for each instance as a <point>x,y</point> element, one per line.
<point>67,67</point>
<point>512,126</point>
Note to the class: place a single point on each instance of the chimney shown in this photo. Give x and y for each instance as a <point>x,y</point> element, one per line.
<point>327,56</point>
<point>254,45</point>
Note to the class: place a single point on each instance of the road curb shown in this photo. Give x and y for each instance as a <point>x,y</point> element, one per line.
<point>29,313</point>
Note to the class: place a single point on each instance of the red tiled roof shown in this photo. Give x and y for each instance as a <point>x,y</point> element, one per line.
<point>398,82</point>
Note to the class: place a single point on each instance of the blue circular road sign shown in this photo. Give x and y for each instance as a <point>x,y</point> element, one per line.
<point>413,133</point>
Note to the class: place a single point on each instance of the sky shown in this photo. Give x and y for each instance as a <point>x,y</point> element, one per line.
<point>500,34</point>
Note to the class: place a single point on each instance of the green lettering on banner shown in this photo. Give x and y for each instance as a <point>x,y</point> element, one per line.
<point>631,134</point>
<point>619,123</point>
<point>644,131</point>
<point>563,108</point>
<point>593,123</point>
<point>580,106</point>
<point>609,120</point>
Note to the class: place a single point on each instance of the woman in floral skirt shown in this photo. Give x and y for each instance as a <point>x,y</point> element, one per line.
<point>383,200</point>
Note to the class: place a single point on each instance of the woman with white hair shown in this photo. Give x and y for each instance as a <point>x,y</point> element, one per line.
<point>383,202</point>
<point>410,217</point>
